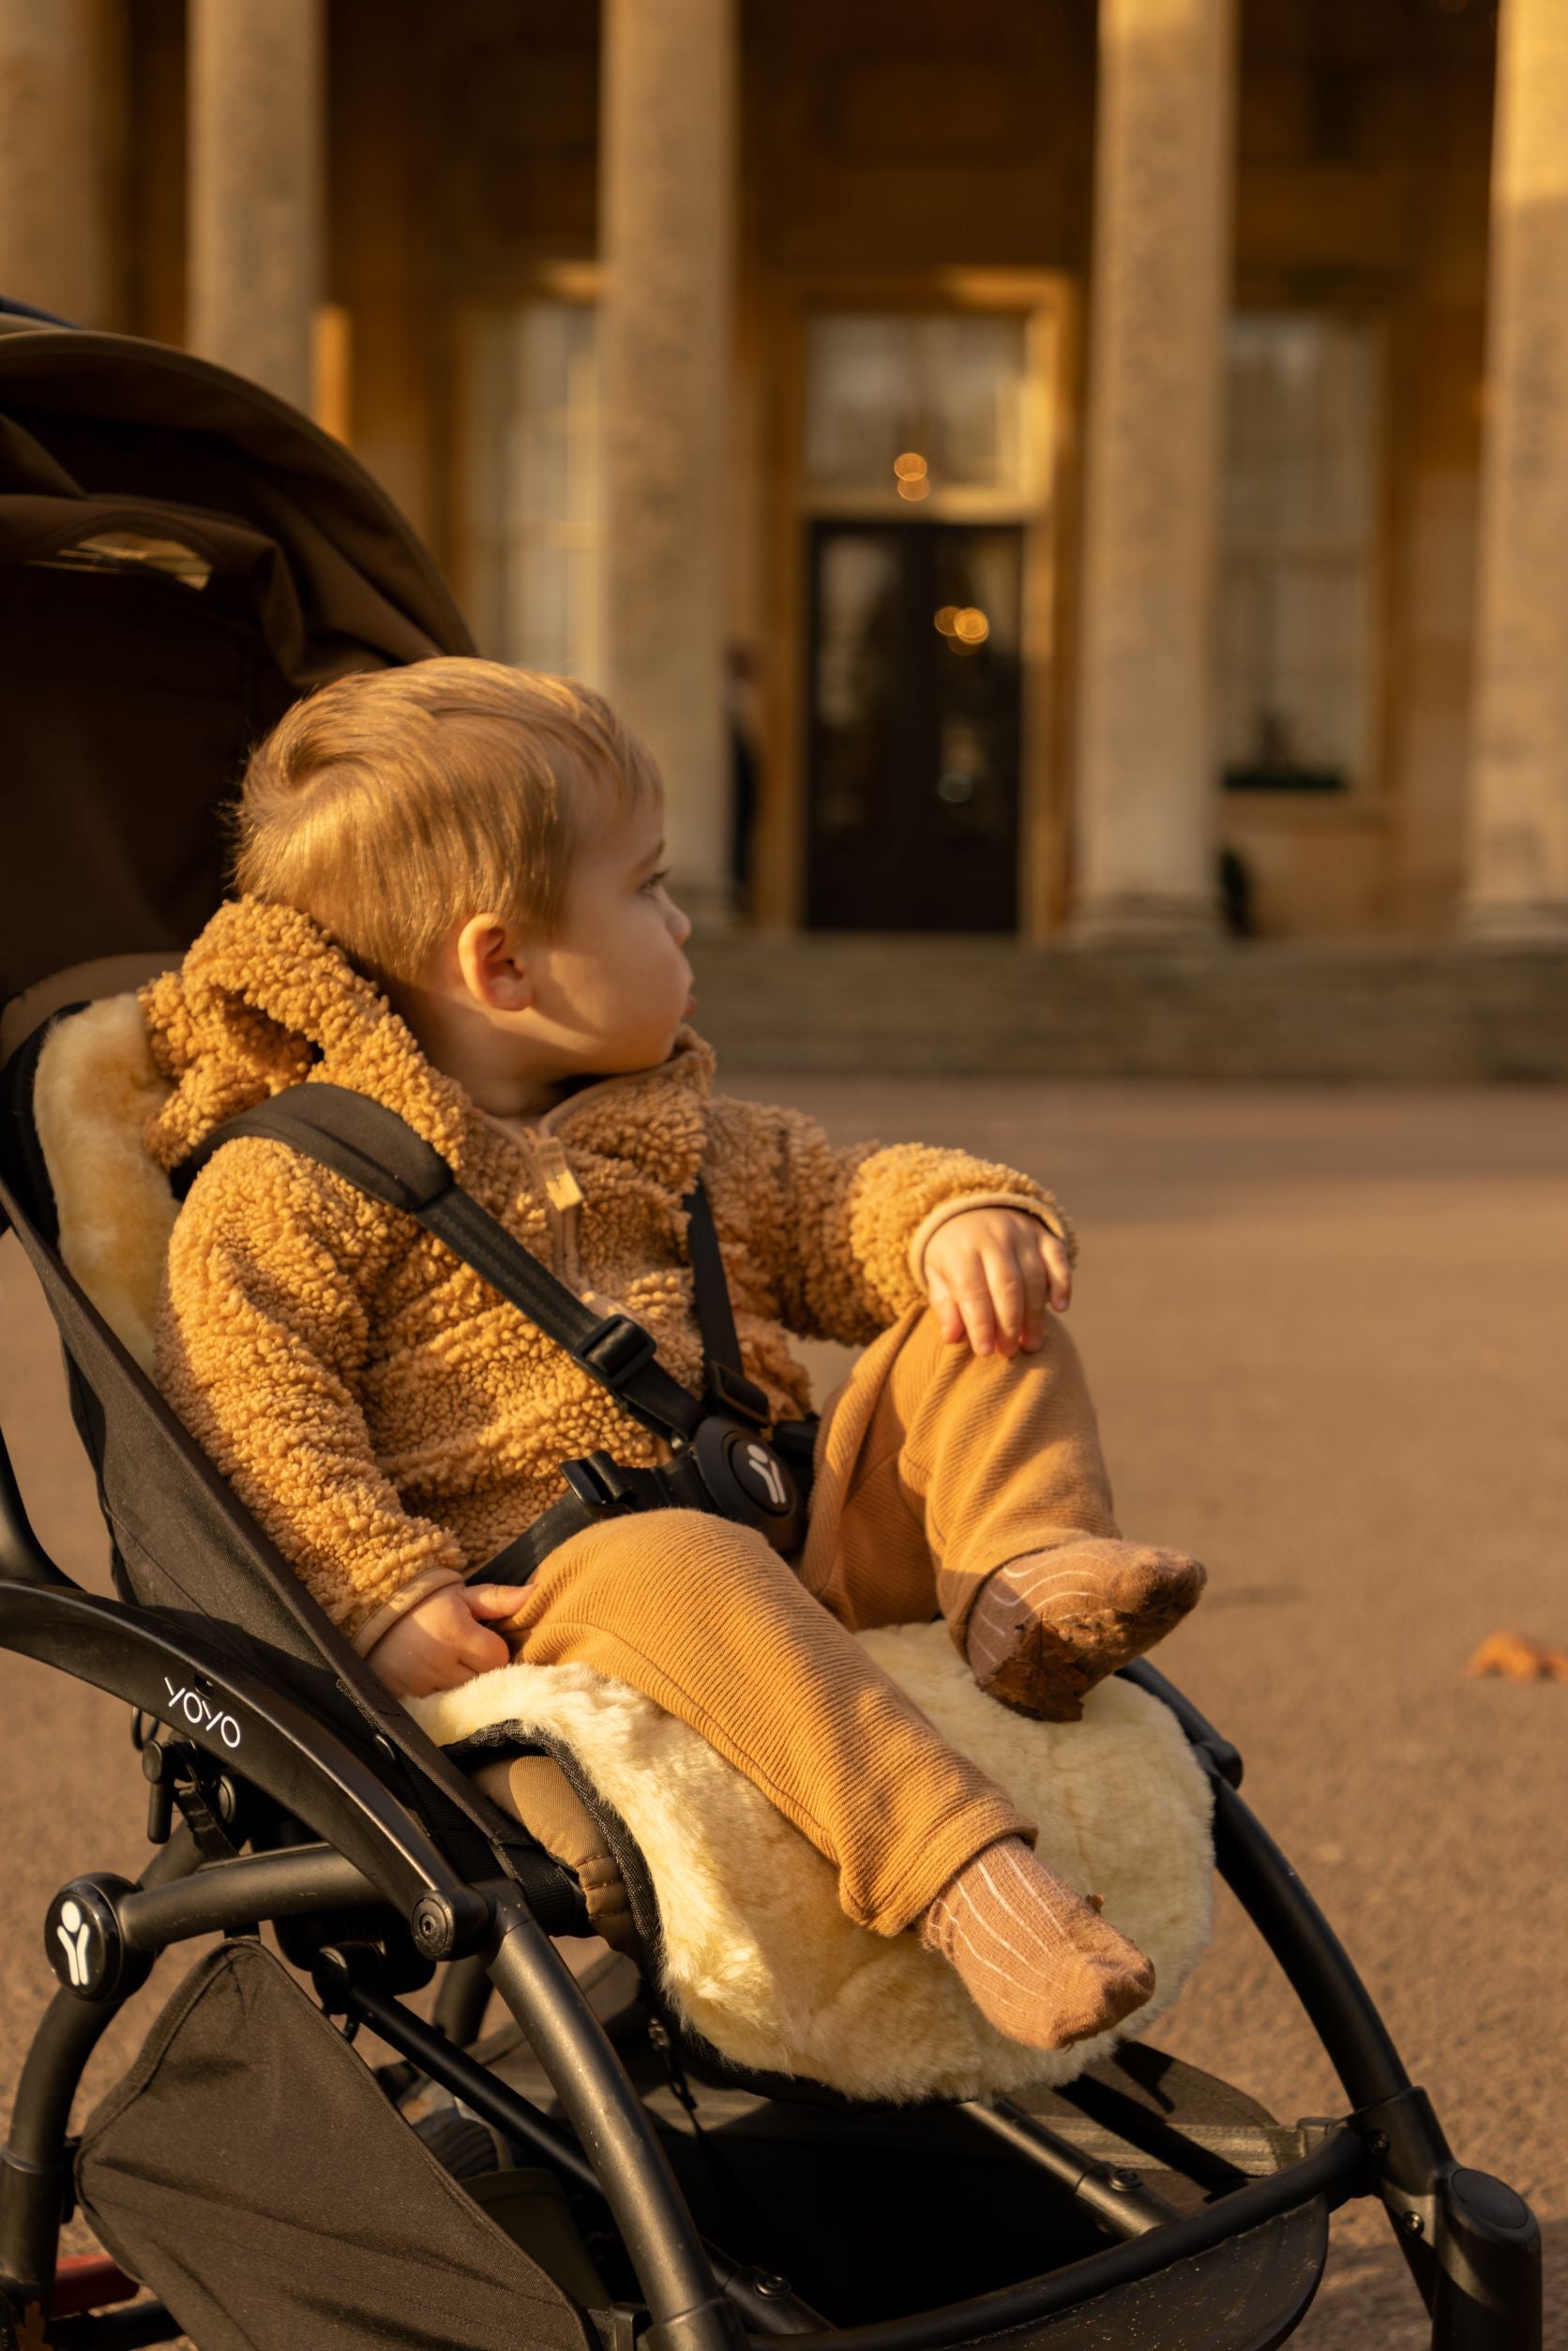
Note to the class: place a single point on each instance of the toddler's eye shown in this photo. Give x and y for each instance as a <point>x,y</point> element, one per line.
<point>658,880</point>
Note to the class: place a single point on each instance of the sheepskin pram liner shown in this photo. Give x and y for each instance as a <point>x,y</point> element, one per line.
<point>755,1955</point>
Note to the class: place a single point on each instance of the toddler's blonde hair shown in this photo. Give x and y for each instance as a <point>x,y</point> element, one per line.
<point>394,803</point>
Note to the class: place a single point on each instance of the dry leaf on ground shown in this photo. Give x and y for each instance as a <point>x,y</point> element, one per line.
<point>1516,1658</point>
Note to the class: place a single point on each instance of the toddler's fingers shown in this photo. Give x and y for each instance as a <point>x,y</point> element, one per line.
<point>1059,1270</point>
<point>975,1304</point>
<point>438,1667</point>
<point>451,1675</point>
<point>1036,1294</point>
<point>483,1650</point>
<point>495,1600</point>
<point>1005,1285</point>
<point>950,1323</point>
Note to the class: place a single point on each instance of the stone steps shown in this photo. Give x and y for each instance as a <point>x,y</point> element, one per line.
<point>895,1005</point>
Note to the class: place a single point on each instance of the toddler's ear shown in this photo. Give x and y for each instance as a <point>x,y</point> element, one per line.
<point>490,960</point>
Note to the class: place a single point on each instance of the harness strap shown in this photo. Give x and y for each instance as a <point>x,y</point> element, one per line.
<point>728,1389</point>
<point>716,1464</point>
<point>598,1488</point>
<point>380,1153</point>
<point>726,1385</point>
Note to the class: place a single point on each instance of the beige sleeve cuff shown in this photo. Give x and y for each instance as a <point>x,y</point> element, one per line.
<point>1049,1215</point>
<point>407,1596</point>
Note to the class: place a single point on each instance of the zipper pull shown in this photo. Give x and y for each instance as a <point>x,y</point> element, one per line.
<point>561,1185</point>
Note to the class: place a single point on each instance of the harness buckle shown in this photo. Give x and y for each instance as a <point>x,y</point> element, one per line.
<point>615,1349</point>
<point>747,1480</point>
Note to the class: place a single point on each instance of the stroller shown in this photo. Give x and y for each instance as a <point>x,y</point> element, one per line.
<point>181,556</point>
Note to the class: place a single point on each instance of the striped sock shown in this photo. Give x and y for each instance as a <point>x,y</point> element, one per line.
<point>1036,1958</point>
<point>1050,1624</point>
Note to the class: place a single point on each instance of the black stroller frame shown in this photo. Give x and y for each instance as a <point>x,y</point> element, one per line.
<point>286,1788</point>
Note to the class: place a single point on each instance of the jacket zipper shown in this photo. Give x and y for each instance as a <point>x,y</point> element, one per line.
<point>560,1186</point>
<point>562,1191</point>
<point>563,1198</point>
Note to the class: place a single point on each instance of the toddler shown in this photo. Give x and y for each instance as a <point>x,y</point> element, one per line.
<point>451,897</point>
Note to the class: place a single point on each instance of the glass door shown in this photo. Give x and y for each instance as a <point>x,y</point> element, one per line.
<point>925,461</point>
<point>912,818</point>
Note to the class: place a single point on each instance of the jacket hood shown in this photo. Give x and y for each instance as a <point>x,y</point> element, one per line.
<point>264,999</point>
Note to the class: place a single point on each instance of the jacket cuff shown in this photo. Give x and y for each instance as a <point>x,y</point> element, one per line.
<point>1047,1211</point>
<point>408,1596</point>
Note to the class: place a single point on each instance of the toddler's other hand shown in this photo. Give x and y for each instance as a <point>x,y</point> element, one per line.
<point>990,1275</point>
<point>444,1641</point>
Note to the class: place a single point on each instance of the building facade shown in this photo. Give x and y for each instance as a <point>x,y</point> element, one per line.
<point>1074,470</point>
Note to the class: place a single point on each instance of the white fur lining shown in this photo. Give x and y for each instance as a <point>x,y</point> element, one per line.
<point>760,1958</point>
<point>94,1091</point>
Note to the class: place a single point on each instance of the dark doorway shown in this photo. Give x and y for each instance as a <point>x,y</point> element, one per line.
<point>913,726</point>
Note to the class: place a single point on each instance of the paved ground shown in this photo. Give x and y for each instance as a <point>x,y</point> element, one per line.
<point>1326,1332</point>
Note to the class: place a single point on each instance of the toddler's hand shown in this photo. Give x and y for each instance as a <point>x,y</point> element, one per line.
<point>444,1640</point>
<point>990,1273</point>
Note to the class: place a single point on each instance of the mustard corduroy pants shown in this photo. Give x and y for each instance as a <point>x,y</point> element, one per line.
<point>934,1466</point>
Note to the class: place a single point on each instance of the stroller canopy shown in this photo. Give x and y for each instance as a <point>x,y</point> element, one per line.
<point>181,555</point>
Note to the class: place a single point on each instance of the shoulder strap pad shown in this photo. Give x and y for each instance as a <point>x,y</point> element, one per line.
<point>355,1136</point>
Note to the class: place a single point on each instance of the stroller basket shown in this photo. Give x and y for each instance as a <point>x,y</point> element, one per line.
<point>263,2178</point>
<point>301,2206</point>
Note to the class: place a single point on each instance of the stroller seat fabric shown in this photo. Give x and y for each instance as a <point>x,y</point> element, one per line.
<point>754,1953</point>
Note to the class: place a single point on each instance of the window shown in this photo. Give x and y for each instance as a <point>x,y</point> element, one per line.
<point>1298,613</point>
<point>531,522</point>
<point>909,402</point>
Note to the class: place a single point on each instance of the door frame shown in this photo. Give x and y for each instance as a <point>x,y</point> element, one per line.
<point>1046,299</point>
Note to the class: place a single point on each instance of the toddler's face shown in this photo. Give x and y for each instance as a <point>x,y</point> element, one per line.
<point>507,1011</point>
<point>514,1016</point>
<point>613,985</point>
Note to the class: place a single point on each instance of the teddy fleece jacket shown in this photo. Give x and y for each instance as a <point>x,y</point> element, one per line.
<point>388,1417</point>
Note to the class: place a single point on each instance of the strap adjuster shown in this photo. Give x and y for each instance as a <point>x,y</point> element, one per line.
<point>600,1482</point>
<point>732,1393</point>
<point>615,1349</point>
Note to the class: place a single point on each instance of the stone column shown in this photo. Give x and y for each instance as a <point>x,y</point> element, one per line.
<point>666,204</point>
<point>61,68</point>
<point>256,178</point>
<point>1145,819</point>
<point>1517,878</point>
